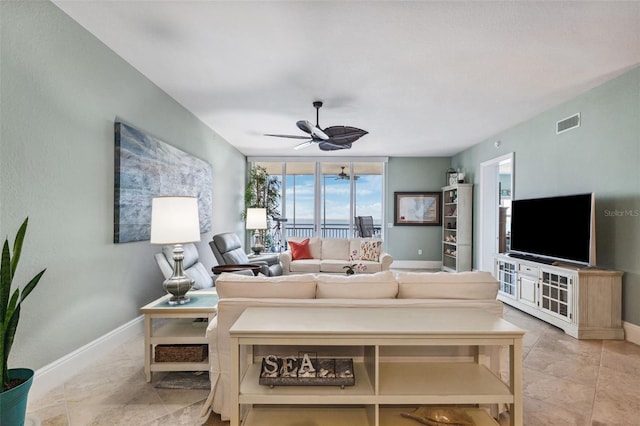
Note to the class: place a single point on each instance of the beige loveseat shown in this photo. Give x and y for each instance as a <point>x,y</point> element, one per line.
<point>331,255</point>
<point>384,289</point>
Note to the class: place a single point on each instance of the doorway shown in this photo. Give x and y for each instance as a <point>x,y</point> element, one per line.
<point>496,194</point>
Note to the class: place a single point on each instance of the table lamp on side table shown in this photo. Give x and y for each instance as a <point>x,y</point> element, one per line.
<point>257,220</point>
<point>174,220</point>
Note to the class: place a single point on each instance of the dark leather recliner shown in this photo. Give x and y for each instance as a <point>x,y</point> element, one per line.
<point>227,248</point>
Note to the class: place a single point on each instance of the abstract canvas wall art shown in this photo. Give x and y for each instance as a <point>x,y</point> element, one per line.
<point>146,167</point>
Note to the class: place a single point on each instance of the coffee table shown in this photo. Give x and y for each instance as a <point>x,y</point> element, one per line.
<point>178,328</point>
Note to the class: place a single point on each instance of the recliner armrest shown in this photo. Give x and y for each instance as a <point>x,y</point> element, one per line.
<point>269,259</point>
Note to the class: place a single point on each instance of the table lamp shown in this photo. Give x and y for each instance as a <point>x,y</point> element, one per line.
<point>174,220</point>
<point>257,220</point>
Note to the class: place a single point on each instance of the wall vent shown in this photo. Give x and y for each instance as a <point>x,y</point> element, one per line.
<point>568,123</point>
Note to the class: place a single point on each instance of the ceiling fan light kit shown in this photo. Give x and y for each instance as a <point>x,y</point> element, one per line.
<point>330,139</point>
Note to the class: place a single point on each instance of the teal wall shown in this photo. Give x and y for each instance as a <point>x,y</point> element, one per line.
<point>61,91</point>
<point>601,156</point>
<point>405,174</point>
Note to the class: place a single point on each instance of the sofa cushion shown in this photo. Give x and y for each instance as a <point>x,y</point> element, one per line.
<point>354,246</point>
<point>370,250</point>
<point>305,266</point>
<point>443,285</point>
<point>283,287</point>
<point>381,285</point>
<point>333,265</point>
<point>356,243</point>
<point>315,245</point>
<point>370,266</point>
<point>335,248</point>
<point>300,250</point>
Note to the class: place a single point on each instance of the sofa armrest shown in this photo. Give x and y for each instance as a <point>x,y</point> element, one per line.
<point>385,260</point>
<point>285,259</point>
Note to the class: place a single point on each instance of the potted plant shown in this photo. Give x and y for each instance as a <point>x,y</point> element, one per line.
<point>15,382</point>
<point>263,190</point>
<point>352,266</point>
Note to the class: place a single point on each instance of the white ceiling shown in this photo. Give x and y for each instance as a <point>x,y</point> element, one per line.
<point>424,78</point>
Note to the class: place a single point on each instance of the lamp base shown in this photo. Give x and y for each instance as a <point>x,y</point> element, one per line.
<point>178,284</point>
<point>178,300</point>
<point>257,249</point>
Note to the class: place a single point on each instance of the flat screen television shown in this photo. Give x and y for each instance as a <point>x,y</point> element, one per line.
<point>558,228</point>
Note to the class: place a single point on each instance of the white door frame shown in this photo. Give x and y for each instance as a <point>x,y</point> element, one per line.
<point>489,212</point>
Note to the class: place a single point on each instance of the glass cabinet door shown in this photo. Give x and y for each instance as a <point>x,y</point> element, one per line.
<point>507,277</point>
<point>555,294</point>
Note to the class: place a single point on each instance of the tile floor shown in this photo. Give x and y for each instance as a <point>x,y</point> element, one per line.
<point>566,382</point>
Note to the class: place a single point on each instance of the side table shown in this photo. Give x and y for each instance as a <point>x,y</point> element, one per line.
<point>178,328</point>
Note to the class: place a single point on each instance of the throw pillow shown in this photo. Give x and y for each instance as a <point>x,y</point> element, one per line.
<point>300,250</point>
<point>370,250</point>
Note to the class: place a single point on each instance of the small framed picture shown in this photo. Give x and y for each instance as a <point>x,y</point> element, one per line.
<point>417,209</point>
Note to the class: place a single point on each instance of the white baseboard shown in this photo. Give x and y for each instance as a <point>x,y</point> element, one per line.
<point>631,332</point>
<point>416,264</point>
<point>55,374</point>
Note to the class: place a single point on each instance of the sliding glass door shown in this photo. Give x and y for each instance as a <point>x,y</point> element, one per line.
<point>325,198</point>
<point>335,203</point>
<point>300,199</point>
<point>368,193</point>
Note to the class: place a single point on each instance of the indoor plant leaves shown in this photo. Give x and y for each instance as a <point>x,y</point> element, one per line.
<point>10,306</point>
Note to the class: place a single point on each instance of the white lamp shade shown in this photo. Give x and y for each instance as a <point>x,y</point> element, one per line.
<point>174,220</point>
<point>256,218</point>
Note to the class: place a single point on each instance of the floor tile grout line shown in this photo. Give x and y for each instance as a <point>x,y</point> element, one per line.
<point>595,387</point>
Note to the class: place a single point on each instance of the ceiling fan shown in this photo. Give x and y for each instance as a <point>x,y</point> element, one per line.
<point>345,176</point>
<point>328,139</point>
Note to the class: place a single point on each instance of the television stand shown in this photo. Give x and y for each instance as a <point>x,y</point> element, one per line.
<point>531,258</point>
<point>585,302</point>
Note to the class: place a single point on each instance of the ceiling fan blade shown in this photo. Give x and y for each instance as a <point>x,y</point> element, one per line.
<point>330,146</point>
<point>288,136</point>
<point>343,133</point>
<point>307,126</point>
<point>303,144</point>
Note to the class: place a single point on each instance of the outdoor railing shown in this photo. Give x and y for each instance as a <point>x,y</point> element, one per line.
<point>308,231</point>
<point>333,231</point>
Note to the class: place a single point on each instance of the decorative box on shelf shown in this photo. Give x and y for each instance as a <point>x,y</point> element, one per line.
<point>180,353</point>
<point>306,371</point>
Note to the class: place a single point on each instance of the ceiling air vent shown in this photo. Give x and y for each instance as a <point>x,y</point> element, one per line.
<point>568,123</point>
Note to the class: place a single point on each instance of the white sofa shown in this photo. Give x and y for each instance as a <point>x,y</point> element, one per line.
<point>331,255</point>
<point>384,289</point>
